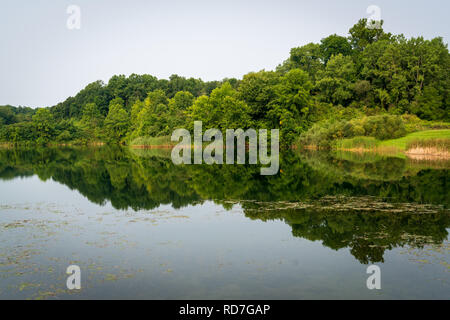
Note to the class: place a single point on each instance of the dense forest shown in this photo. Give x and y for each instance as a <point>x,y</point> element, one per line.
<point>356,84</point>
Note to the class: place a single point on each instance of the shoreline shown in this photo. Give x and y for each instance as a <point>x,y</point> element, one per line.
<point>143,146</point>
<point>429,154</point>
<point>415,153</point>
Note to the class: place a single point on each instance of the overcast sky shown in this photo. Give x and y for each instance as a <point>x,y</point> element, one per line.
<point>42,62</point>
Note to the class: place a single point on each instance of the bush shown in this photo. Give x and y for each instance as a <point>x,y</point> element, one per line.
<point>384,127</point>
<point>381,127</point>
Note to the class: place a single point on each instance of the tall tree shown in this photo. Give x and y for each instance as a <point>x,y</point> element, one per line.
<point>335,83</point>
<point>361,35</point>
<point>116,122</point>
<point>307,58</point>
<point>334,45</point>
<point>44,126</point>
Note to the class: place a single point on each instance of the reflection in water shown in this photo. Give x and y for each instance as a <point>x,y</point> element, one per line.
<point>196,231</point>
<point>364,224</point>
<point>142,179</point>
<point>367,203</point>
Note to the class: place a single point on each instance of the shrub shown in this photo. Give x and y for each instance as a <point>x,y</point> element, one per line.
<point>381,127</point>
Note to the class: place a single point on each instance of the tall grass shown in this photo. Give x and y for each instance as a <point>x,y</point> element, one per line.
<point>357,143</point>
<point>429,144</point>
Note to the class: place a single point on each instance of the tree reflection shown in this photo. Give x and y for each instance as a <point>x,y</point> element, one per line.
<point>368,204</point>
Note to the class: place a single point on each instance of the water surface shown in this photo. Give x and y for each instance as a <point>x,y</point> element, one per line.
<point>140,227</point>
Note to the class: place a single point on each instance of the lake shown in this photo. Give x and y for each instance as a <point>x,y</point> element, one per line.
<point>139,226</point>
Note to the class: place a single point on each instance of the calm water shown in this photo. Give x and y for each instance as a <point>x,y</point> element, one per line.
<point>140,227</point>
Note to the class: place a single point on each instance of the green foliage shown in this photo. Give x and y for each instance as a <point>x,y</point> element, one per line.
<point>153,119</point>
<point>401,143</point>
<point>335,83</point>
<point>91,115</point>
<point>44,126</point>
<point>181,101</point>
<point>334,45</point>
<point>116,122</point>
<point>222,110</point>
<point>381,127</point>
<point>91,123</point>
<point>409,75</point>
<point>257,89</point>
<point>316,92</point>
<point>361,36</point>
<point>7,115</point>
<point>291,107</point>
<point>10,115</point>
<point>307,58</point>
<point>129,89</point>
<point>357,143</point>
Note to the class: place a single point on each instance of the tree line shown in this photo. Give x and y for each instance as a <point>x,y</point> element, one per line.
<point>369,72</point>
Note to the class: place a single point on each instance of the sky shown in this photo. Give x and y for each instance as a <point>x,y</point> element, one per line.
<point>42,61</point>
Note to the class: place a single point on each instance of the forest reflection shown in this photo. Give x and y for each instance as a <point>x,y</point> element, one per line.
<point>366,203</point>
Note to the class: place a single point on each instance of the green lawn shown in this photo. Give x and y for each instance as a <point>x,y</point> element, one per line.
<point>393,146</point>
<point>401,143</point>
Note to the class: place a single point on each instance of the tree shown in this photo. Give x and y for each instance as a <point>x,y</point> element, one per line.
<point>181,101</point>
<point>429,105</point>
<point>257,89</point>
<point>399,70</point>
<point>153,119</point>
<point>116,122</point>
<point>44,126</point>
<point>334,45</point>
<point>222,110</point>
<point>361,36</point>
<point>91,121</point>
<point>339,79</point>
<point>7,115</point>
<point>135,110</point>
<point>291,107</point>
<point>335,83</point>
<point>91,115</point>
<point>307,58</point>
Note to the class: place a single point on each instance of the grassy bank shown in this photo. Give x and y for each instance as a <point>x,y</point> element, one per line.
<point>428,142</point>
<point>402,143</point>
<point>74,143</point>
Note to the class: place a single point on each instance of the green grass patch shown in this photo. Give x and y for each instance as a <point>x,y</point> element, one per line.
<point>425,139</point>
<point>402,143</point>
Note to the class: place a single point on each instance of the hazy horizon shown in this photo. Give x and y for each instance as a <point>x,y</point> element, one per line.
<point>45,62</point>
